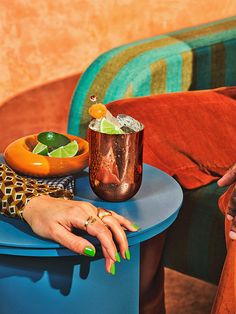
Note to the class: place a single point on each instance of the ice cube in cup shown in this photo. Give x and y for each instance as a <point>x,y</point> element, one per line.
<point>95,125</point>
<point>112,119</point>
<point>129,124</point>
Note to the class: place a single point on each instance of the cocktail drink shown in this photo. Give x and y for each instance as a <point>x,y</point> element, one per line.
<point>116,154</point>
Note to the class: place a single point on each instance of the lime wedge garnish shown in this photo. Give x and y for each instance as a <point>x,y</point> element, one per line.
<point>109,128</point>
<point>53,139</point>
<point>70,150</point>
<point>41,149</point>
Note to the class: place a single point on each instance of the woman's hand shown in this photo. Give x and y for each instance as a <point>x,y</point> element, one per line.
<point>228,179</point>
<point>55,219</point>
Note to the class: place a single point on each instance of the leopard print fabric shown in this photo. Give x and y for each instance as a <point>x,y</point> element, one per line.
<point>16,192</point>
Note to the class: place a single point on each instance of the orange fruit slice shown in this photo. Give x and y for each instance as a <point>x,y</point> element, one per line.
<point>97,111</point>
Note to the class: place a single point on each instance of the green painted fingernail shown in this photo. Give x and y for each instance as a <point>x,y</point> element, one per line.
<point>89,251</point>
<point>135,226</point>
<point>117,257</point>
<point>127,254</point>
<point>113,269</point>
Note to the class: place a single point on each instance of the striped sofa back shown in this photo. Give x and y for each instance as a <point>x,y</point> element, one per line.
<point>195,58</point>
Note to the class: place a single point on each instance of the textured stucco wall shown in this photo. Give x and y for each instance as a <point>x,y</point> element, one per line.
<point>44,40</point>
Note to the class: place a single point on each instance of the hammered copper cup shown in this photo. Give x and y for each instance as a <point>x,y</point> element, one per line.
<point>115,164</point>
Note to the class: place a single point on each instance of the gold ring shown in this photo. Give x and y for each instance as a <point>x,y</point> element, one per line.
<point>90,221</point>
<point>102,212</point>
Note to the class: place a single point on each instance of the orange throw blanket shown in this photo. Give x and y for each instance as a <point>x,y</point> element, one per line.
<point>191,136</point>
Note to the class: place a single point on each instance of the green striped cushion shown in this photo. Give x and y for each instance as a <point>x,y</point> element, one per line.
<point>201,57</point>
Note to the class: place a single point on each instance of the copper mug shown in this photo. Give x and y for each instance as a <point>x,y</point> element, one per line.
<point>115,164</point>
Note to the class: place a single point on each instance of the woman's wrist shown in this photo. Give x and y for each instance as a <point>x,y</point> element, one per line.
<point>34,203</point>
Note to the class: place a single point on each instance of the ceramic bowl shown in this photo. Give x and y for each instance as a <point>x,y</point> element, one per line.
<point>18,155</point>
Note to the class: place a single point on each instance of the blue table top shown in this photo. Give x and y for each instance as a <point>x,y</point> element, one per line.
<point>154,208</point>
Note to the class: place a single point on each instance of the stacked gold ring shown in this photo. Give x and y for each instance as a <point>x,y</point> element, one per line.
<point>102,212</point>
<point>89,221</point>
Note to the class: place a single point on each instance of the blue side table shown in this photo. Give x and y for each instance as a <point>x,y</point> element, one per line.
<point>39,276</point>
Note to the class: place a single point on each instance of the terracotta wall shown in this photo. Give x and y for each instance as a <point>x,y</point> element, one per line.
<point>44,40</point>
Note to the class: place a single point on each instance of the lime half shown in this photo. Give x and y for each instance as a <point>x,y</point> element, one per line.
<point>41,149</point>
<point>109,128</point>
<point>70,150</point>
<point>53,139</point>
